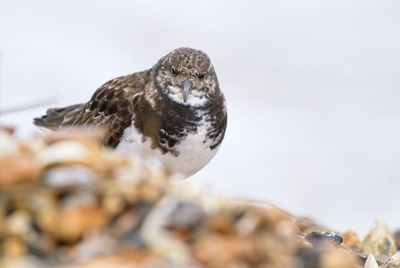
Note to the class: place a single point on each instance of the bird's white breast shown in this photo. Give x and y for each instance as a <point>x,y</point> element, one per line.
<point>193,151</point>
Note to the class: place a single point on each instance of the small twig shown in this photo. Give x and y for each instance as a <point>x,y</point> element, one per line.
<point>31,105</point>
<point>27,106</point>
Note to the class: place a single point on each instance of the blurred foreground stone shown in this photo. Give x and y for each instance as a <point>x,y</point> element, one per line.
<point>67,202</point>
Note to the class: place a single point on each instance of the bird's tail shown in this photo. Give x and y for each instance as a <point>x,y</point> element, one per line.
<point>56,116</point>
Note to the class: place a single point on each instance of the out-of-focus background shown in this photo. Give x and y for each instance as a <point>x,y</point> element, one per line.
<point>313,88</point>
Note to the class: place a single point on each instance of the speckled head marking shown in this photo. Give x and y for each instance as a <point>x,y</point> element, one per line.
<point>186,76</point>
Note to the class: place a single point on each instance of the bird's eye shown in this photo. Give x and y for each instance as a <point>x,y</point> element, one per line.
<point>174,71</point>
<point>201,76</point>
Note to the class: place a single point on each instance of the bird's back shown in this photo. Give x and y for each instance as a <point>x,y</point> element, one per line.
<point>110,108</point>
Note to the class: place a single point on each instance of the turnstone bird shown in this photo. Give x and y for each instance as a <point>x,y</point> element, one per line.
<point>174,111</point>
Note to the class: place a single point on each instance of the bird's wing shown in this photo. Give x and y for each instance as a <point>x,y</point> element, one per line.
<point>54,117</point>
<point>217,129</point>
<point>112,107</point>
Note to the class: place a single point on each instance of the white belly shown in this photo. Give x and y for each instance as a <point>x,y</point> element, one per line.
<point>194,153</point>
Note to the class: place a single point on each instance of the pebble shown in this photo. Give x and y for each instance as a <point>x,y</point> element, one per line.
<point>67,202</point>
<point>379,242</point>
<point>318,239</point>
<point>371,262</point>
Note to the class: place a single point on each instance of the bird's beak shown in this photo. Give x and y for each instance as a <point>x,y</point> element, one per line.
<point>186,90</point>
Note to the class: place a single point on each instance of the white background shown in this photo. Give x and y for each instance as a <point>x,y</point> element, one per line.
<point>313,88</point>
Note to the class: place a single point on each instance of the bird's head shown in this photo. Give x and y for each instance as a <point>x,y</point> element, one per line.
<point>186,76</point>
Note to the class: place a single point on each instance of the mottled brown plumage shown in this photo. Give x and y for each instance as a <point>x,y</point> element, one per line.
<point>173,100</point>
